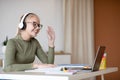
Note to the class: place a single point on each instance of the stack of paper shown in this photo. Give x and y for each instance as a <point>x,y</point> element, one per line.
<point>55,70</point>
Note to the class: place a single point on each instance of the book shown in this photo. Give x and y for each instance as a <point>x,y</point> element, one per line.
<point>74,65</point>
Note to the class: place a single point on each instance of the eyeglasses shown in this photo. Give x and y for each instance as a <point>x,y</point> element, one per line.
<point>35,24</point>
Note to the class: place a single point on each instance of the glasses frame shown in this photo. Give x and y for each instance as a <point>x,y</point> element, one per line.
<point>35,24</point>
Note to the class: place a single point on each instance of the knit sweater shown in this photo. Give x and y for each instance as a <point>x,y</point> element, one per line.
<point>20,54</point>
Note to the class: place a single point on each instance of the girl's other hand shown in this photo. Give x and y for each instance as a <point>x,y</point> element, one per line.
<point>51,36</point>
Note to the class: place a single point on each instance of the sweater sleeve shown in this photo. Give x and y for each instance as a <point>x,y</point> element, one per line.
<point>51,55</point>
<point>45,57</point>
<point>10,63</point>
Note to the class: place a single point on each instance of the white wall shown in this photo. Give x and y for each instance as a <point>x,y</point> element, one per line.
<point>49,11</point>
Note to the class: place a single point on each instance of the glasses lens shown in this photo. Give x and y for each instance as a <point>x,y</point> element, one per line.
<point>41,25</point>
<point>35,24</point>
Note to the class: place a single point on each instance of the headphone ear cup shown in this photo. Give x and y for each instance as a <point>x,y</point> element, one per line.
<point>20,25</point>
<point>24,25</point>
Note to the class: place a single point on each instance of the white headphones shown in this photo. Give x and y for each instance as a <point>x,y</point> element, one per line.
<point>21,22</point>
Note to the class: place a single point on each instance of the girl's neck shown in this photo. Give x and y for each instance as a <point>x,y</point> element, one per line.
<point>25,36</point>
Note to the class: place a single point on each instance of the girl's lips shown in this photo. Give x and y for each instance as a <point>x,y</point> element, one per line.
<point>36,31</point>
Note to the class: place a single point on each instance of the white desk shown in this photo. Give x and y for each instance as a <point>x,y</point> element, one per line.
<point>41,76</point>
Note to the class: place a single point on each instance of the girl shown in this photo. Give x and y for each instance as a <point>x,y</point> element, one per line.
<point>21,50</point>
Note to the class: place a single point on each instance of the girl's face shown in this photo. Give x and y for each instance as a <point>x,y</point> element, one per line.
<point>32,26</point>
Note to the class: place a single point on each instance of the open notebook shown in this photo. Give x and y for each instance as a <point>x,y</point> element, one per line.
<point>96,63</point>
<point>56,70</point>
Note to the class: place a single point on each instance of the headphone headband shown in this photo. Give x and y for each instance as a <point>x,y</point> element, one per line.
<point>21,22</point>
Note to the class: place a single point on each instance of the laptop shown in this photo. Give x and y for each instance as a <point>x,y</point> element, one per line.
<point>98,58</point>
<point>96,64</point>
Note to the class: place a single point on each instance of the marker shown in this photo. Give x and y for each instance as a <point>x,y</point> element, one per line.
<point>64,69</point>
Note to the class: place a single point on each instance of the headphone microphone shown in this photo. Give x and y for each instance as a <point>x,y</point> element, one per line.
<point>21,24</point>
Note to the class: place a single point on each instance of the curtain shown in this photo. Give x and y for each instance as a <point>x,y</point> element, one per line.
<point>79,30</point>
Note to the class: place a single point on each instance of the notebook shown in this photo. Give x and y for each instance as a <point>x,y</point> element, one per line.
<point>55,70</point>
<point>96,63</point>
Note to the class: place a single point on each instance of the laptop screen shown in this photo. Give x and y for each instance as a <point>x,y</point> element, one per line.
<point>98,58</point>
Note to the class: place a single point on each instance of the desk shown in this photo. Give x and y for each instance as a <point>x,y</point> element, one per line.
<point>42,76</point>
